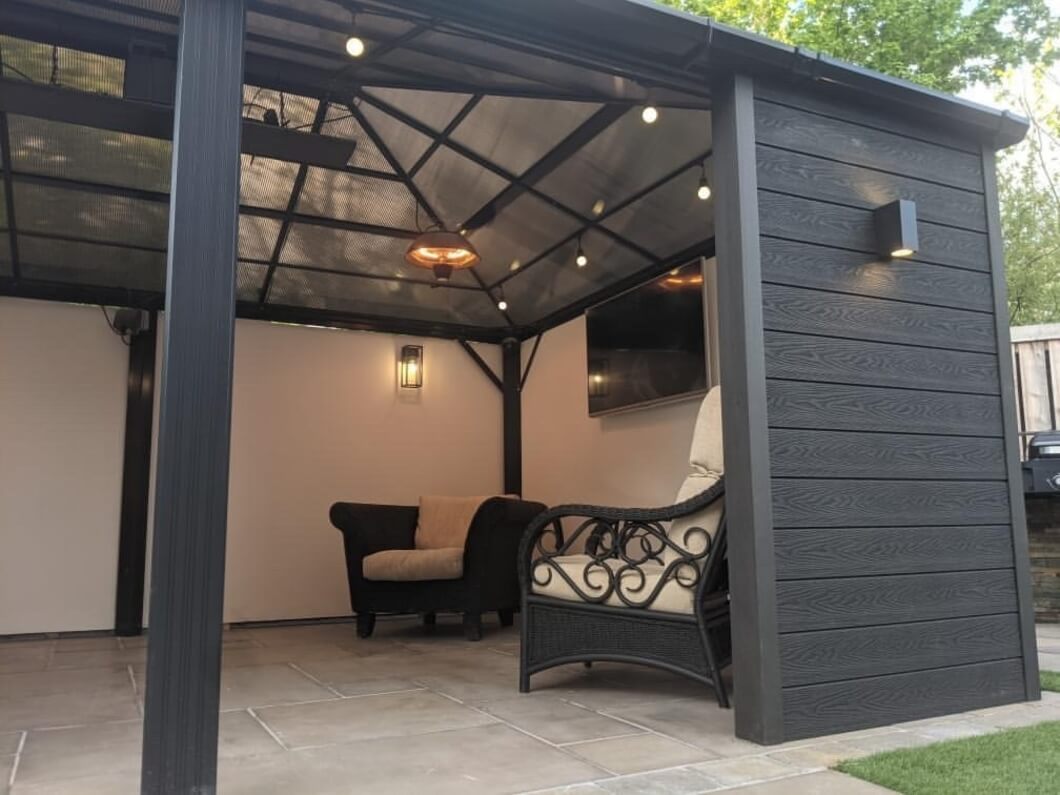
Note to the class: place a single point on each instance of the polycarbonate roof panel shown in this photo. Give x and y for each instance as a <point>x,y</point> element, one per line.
<point>415,64</point>
<point>60,66</point>
<point>433,108</point>
<point>336,292</point>
<point>405,143</point>
<point>91,264</point>
<point>113,219</point>
<point>456,187</point>
<point>629,156</point>
<point>523,230</point>
<point>250,278</point>
<point>340,123</point>
<point>557,281</point>
<point>87,154</point>
<point>515,133</point>
<point>669,219</point>
<point>336,194</point>
<point>476,57</point>
<point>293,110</point>
<point>257,237</point>
<point>342,250</point>
<point>324,45</point>
<point>264,182</point>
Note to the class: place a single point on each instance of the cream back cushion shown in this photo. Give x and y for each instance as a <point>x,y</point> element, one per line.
<point>444,521</point>
<point>707,467</point>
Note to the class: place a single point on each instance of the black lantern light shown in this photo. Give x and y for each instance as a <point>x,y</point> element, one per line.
<point>411,367</point>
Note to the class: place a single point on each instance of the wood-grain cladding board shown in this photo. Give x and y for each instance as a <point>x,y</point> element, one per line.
<point>895,587</point>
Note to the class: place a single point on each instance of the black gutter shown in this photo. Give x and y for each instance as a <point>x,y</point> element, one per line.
<point>734,47</point>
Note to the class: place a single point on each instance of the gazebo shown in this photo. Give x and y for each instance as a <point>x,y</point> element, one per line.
<point>275,160</point>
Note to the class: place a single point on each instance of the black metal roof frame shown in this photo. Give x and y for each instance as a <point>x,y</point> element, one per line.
<point>555,57</point>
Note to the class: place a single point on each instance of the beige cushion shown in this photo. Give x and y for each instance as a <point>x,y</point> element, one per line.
<point>444,521</point>
<point>707,455</point>
<point>675,597</point>
<point>708,465</point>
<point>414,564</point>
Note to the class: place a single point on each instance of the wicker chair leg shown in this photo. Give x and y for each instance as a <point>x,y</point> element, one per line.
<point>711,650</point>
<point>507,617</point>
<point>473,626</point>
<point>365,624</point>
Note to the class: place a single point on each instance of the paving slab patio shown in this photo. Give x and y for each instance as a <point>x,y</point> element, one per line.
<point>313,709</point>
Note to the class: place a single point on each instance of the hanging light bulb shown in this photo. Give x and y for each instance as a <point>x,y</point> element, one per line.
<point>502,304</point>
<point>703,191</point>
<point>650,114</point>
<point>579,258</point>
<point>354,44</point>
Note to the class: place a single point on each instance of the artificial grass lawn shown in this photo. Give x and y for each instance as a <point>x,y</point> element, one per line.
<point>1051,681</point>
<point>1014,762</point>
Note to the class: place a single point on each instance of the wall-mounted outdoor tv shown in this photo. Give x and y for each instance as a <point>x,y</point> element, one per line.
<point>647,346</point>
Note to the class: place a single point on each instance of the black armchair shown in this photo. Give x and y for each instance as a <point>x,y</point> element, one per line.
<point>486,575</point>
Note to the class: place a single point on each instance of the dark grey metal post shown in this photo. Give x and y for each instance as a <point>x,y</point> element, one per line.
<point>1020,549</point>
<point>187,582</point>
<point>748,495</point>
<point>512,371</point>
<point>136,482</point>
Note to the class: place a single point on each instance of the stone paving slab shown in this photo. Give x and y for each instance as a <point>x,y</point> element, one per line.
<point>315,710</point>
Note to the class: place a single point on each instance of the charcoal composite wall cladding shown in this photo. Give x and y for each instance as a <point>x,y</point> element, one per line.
<point>897,562</point>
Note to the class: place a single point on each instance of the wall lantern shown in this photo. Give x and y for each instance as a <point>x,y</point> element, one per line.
<point>896,229</point>
<point>410,366</point>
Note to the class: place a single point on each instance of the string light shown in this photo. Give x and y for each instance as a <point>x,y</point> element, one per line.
<point>354,44</point>
<point>703,191</point>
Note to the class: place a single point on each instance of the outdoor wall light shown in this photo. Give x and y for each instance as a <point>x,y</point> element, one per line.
<point>410,367</point>
<point>703,191</point>
<point>896,235</point>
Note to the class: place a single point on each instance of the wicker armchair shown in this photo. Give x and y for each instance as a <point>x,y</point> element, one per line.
<point>650,587</point>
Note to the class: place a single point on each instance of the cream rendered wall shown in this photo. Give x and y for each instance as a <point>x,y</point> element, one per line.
<point>317,417</point>
<point>638,458</point>
<point>62,429</point>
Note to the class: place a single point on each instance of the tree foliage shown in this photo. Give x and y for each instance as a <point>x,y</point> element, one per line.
<point>1030,202</point>
<point>951,45</point>
<point>944,44</point>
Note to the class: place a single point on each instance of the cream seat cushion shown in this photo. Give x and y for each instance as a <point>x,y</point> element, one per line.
<point>444,521</point>
<point>405,565</point>
<point>675,596</point>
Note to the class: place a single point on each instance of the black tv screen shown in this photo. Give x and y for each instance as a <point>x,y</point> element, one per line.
<point>648,345</point>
